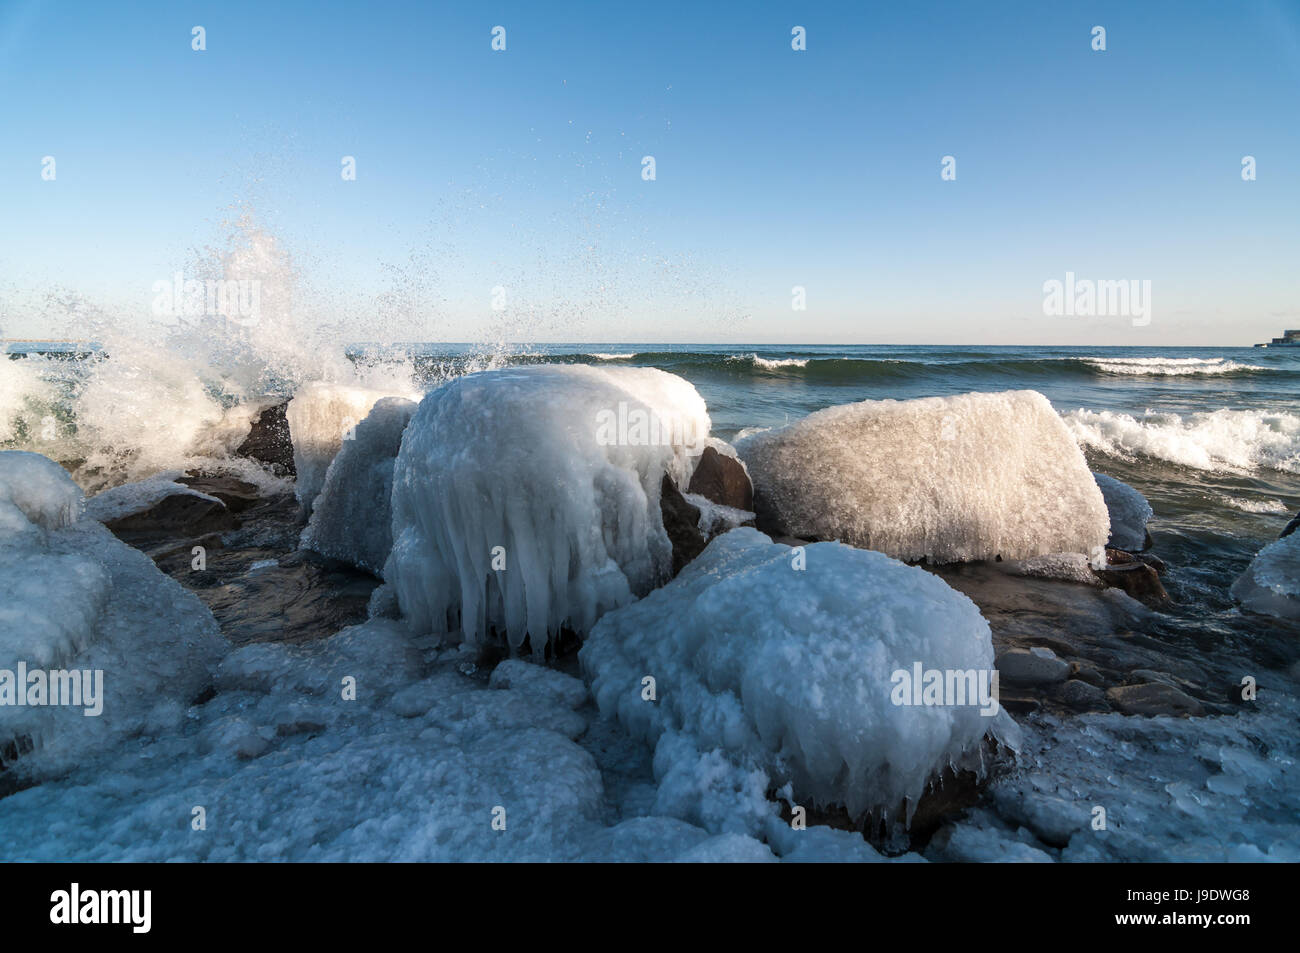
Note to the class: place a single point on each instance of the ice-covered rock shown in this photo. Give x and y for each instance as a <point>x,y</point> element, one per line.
<point>763,673</point>
<point>1271,583</point>
<point>131,499</point>
<point>946,479</point>
<point>1129,514</point>
<point>95,639</point>
<point>528,500</point>
<point>351,519</point>
<point>321,417</point>
<point>36,491</point>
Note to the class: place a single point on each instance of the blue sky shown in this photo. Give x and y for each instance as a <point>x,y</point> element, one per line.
<point>775,168</point>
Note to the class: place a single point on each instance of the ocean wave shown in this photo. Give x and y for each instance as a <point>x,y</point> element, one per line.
<point>1222,440</point>
<point>1169,366</point>
<point>847,368</point>
<point>770,363</point>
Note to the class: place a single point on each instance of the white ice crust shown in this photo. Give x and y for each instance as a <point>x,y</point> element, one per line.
<point>948,479</point>
<point>540,470</point>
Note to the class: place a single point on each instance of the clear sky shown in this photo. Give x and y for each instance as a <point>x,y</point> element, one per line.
<point>774,168</point>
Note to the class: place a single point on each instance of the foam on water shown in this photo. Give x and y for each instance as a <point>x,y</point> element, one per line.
<point>1224,440</point>
<point>1168,366</point>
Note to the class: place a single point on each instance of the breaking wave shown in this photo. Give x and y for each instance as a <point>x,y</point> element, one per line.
<point>1221,440</point>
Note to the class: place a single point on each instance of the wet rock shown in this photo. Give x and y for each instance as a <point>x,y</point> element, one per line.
<point>1153,698</point>
<point>1152,560</point>
<point>1088,674</point>
<point>1036,666</point>
<point>237,494</point>
<point>1134,576</point>
<point>723,480</point>
<point>181,514</point>
<point>1082,696</point>
<point>1164,678</point>
<point>681,523</point>
<point>269,442</point>
<point>1291,527</point>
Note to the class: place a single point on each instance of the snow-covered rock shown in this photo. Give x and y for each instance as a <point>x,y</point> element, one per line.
<point>764,673</point>
<point>527,500</point>
<point>77,605</point>
<point>351,519</point>
<point>1129,513</point>
<point>321,417</point>
<point>1271,583</point>
<point>947,479</point>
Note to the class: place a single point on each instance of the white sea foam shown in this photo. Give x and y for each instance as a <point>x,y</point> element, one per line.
<point>601,356</point>
<point>769,363</point>
<point>182,392</point>
<point>1225,440</point>
<point>1255,506</point>
<point>1168,366</point>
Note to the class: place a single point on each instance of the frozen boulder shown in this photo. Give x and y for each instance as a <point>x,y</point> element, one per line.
<point>1129,514</point>
<point>92,634</point>
<point>36,491</point>
<point>351,520</point>
<point>321,417</point>
<point>527,500</point>
<point>1271,583</point>
<point>947,479</point>
<point>748,672</point>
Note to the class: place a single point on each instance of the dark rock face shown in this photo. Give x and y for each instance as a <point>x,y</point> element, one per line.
<point>1136,577</point>
<point>237,494</point>
<point>1291,527</point>
<point>682,523</point>
<point>269,442</point>
<point>722,480</point>
<point>177,515</point>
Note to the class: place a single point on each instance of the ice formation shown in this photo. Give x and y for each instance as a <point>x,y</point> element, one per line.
<point>321,417</point>
<point>765,673</point>
<point>73,598</point>
<point>351,519</point>
<point>946,479</point>
<point>453,770</point>
<point>527,500</point>
<point>1129,513</point>
<point>35,492</point>
<point>1271,583</point>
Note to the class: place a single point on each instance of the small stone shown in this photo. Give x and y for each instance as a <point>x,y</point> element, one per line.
<point>722,480</point>
<point>1153,698</point>
<point>1082,696</point>
<point>1036,666</point>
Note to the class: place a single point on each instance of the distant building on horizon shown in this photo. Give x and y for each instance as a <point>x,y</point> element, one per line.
<point>1288,339</point>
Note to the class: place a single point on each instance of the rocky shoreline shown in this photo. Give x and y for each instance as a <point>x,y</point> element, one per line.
<point>1063,647</point>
